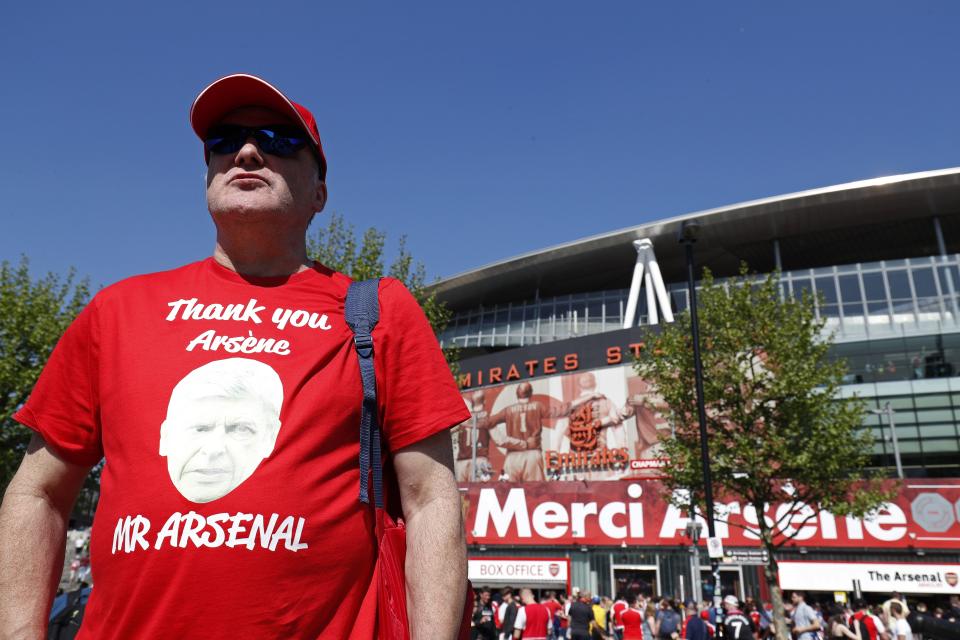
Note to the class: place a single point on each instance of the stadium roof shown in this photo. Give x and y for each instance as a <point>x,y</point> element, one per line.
<point>868,220</point>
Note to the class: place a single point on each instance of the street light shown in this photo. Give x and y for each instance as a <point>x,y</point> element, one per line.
<point>888,411</point>
<point>689,231</point>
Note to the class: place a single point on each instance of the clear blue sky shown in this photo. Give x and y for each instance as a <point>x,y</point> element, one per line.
<point>479,130</point>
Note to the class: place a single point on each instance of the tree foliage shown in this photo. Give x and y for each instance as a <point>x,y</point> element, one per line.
<point>33,316</point>
<point>778,431</point>
<point>337,246</point>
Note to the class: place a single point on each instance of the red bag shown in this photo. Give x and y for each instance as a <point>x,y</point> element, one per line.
<point>362,311</point>
<point>392,618</point>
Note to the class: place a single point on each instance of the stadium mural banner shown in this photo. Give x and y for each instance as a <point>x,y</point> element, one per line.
<point>593,425</point>
<point>923,515</point>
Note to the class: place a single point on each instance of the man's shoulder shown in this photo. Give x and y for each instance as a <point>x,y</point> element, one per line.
<point>146,282</point>
<point>156,277</point>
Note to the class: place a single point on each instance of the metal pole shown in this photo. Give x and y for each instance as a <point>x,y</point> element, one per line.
<point>893,436</point>
<point>474,437</point>
<point>702,415</point>
<point>696,590</point>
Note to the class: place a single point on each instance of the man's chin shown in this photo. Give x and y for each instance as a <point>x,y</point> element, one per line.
<point>246,210</point>
<point>204,492</point>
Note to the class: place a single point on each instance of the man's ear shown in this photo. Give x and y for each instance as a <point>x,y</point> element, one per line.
<point>320,196</point>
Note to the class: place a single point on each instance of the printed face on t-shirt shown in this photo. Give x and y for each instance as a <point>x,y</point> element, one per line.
<point>217,432</point>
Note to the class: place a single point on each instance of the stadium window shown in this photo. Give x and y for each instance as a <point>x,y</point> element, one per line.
<point>828,289</point>
<point>923,282</point>
<point>899,285</point>
<point>850,292</point>
<point>873,287</point>
<point>801,286</point>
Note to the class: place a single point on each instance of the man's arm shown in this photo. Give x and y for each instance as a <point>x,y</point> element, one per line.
<point>33,529</point>
<point>520,623</point>
<point>436,566</point>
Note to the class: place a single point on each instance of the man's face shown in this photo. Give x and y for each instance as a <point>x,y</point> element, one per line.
<point>795,598</point>
<point>213,444</point>
<point>252,185</point>
<point>484,597</point>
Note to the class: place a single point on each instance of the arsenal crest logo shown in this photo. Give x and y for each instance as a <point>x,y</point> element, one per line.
<point>583,428</point>
<point>555,571</point>
<point>951,578</point>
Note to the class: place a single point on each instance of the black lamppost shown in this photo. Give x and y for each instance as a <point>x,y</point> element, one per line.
<point>689,231</point>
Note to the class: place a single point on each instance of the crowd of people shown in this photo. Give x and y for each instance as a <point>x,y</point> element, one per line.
<point>518,614</point>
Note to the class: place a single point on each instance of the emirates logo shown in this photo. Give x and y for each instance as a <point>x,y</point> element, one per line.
<point>555,571</point>
<point>584,428</point>
<point>951,578</point>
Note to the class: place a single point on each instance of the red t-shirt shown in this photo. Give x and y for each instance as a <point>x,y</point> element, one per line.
<point>632,620</point>
<point>228,412</point>
<point>553,607</point>
<point>618,608</point>
<point>533,619</point>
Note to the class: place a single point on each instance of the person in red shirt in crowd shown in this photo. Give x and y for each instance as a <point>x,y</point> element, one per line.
<point>237,492</point>
<point>705,616</point>
<point>533,619</point>
<point>564,612</point>
<point>750,608</point>
<point>632,618</point>
<point>554,607</point>
<point>616,612</point>
<point>865,623</point>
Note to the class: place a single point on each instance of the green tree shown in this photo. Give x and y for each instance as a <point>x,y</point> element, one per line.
<point>337,246</point>
<point>33,316</point>
<point>778,431</point>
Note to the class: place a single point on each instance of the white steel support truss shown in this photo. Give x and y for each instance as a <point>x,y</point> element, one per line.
<point>647,273</point>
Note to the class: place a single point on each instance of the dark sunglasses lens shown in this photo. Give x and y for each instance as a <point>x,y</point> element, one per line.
<point>223,145</point>
<point>225,139</point>
<point>278,142</point>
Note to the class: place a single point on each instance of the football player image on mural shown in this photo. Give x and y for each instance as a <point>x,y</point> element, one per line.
<point>473,432</point>
<point>222,421</point>
<point>524,422</point>
<point>603,424</point>
<point>650,411</point>
<point>595,420</point>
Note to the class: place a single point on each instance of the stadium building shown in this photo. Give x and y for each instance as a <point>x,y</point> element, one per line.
<point>547,340</point>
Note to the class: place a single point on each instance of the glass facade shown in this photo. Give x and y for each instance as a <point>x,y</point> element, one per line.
<point>895,322</point>
<point>859,301</point>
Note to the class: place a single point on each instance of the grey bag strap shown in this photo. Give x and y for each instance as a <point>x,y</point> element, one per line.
<point>362,311</point>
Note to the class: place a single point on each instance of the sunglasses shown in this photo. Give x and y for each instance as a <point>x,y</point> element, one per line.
<point>276,139</point>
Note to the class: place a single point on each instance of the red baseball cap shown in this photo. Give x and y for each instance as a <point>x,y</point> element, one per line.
<point>244,90</point>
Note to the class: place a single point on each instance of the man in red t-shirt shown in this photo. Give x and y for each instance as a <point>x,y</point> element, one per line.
<point>533,619</point>
<point>617,611</point>
<point>553,606</point>
<point>865,623</point>
<point>225,396</point>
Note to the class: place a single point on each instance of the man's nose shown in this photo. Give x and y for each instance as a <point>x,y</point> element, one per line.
<point>249,154</point>
<point>214,443</point>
